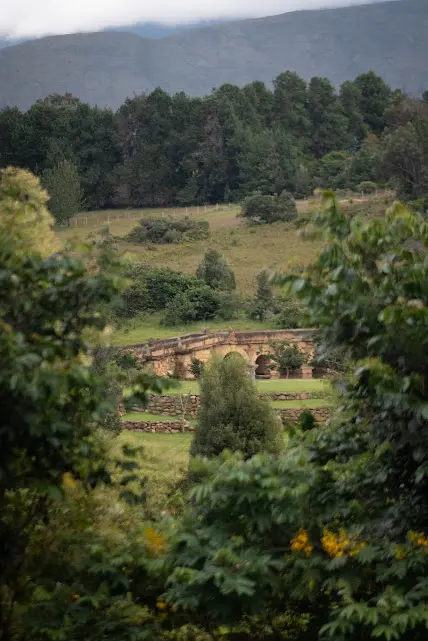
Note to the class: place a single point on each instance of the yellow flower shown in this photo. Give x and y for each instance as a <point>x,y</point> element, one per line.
<point>301,543</point>
<point>400,552</point>
<point>69,481</point>
<point>75,596</point>
<point>156,541</point>
<point>161,605</point>
<point>337,545</point>
<point>418,538</point>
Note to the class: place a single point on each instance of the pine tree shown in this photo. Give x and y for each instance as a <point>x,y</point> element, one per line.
<point>232,415</point>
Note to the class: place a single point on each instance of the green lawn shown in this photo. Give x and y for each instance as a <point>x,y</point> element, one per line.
<point>275,385</point>
<point>152,329</point>
<point>163,462</point>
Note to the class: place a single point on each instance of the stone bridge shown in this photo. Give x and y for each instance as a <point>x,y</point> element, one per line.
<point>173,356</point>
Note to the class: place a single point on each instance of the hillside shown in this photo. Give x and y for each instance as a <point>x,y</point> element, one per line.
<point>105,68</point>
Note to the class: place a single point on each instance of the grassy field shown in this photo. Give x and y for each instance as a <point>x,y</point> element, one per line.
<point>248,249</point>
<point>274,385</point>
<point>163,460</point>
<point>145,329</point>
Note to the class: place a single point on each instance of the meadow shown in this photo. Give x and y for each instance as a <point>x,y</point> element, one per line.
<point>247,248</point>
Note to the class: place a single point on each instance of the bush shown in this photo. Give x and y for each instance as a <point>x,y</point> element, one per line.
<point>160,231</point>
<point>420,205</point>
<point>367,187</point>
<point>232,415</point>
<point>288,358</point>
<point>196,304</point>
<point>153,288</point>
<point>290,313</point>
<point>197,368</point>
<point>269,209</point>
<point>306,420</point>
<point>215,271</point>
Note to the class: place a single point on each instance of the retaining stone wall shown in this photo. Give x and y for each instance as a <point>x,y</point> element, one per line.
<point>290,415</point>
<point>158,427</point>
<point>174,405</point>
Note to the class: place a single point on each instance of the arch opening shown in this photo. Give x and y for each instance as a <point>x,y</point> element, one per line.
<point>235,355</point>
<point>263,369</point>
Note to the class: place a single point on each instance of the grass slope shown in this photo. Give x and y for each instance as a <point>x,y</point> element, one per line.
<point>248,249</point>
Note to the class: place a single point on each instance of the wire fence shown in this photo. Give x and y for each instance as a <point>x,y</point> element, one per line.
<point>106,217</point>
<point>83,220</point>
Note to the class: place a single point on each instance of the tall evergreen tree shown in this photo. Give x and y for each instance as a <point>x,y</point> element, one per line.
<point>63,185</point>
<point>232,415</point>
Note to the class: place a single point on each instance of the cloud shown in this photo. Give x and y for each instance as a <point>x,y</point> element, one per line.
<point>27,18</point>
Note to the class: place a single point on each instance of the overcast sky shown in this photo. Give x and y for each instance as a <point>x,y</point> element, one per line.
<point>23,18</point>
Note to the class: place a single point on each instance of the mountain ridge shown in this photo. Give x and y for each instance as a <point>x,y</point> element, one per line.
<point>105,68</point>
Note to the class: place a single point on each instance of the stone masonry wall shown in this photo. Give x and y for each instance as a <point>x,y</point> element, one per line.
<point>189,404</point>
<point>290,415</point>
<point>158,427</point>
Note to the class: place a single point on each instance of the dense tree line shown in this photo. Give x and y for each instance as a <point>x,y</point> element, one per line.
<point>161,150</point>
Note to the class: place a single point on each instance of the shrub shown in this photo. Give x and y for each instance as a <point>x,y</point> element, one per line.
<point>153,288</point>
<point>288,358</point>
<point>367,187</point>
<point>229,305</point>
<point>166,231</point>
<point>306,420</point>
<point>197,368</point>
<point>232,415</point>
<point>420,205</point>
<point>269,209</point>
<point>215,271</point>
<point>291,313</point>
<point>196,304</point>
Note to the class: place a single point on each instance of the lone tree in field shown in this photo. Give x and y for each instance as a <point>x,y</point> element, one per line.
<point>232,415</point>
<point>65,191</point>
<point>216,272</point>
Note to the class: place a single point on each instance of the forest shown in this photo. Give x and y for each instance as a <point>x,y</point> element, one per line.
<point>160,150</point>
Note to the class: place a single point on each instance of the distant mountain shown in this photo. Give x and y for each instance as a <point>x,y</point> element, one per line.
<point>105,68</point>
<point>157,30</point>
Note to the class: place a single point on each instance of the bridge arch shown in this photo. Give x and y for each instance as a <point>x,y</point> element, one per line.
<point>263,366</point>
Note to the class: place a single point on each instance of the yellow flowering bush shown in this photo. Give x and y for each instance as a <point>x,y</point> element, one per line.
<point>341,544</point>
<point>155,540</point>
<point>419,539</point>
<point>301,543</point>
